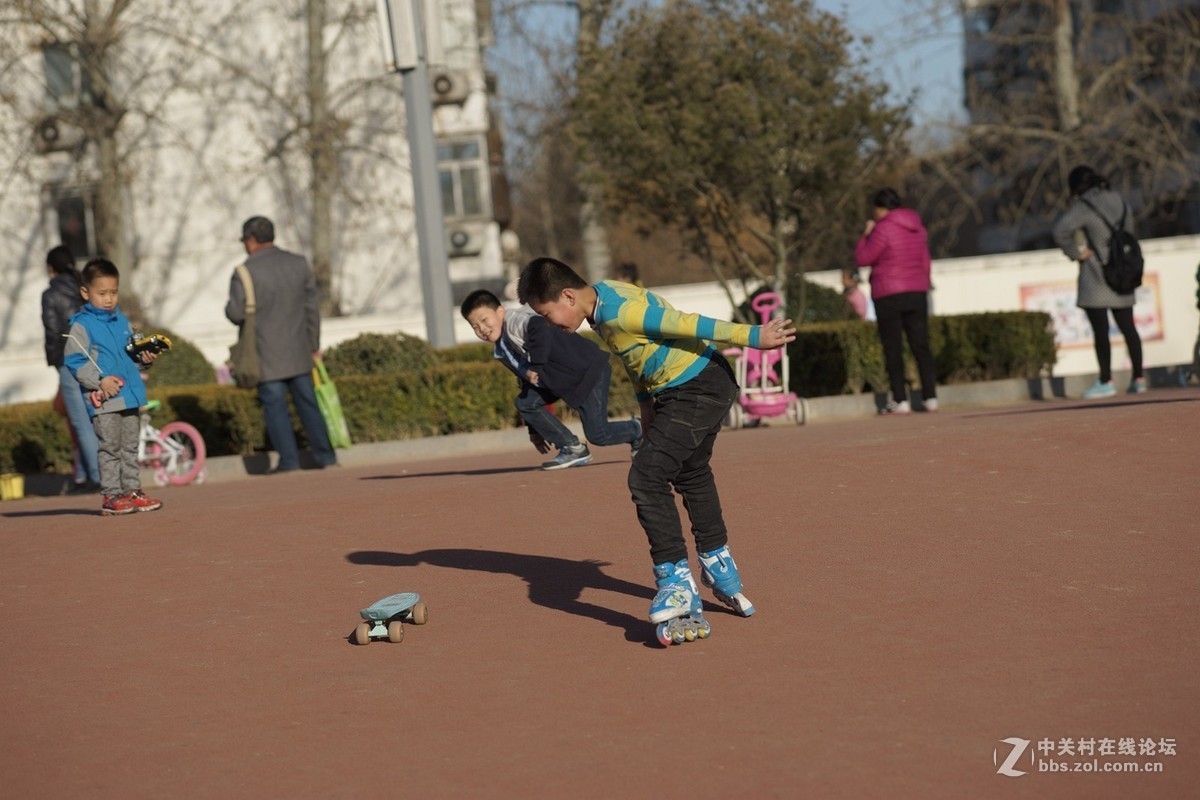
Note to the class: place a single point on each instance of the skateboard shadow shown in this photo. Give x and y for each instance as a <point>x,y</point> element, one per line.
<point>555,583</point>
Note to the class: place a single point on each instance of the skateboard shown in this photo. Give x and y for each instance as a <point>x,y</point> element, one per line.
<point>383,619</point>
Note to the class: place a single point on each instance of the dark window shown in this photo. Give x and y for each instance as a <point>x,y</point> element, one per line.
<point>73,211</point>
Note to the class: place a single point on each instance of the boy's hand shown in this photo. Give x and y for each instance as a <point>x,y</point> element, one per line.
<point>110,386</point>
<point>148,357</point>
<point>541,444</point>
<point>532,377</point>
<point>776,333</point>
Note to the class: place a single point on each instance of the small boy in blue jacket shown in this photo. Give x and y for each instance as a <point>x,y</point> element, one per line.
<point>111,382</point>
<point>550,364</point>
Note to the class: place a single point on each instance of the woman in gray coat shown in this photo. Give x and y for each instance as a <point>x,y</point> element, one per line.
<point>1083,236</point>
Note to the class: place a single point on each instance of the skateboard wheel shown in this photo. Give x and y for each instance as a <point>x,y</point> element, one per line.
<point>420,614</point>
<point>362,633</point>
<point>395,632</point>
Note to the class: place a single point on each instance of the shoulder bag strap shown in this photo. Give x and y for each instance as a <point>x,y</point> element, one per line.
<point>248,285</point>
<point>1111,230</point>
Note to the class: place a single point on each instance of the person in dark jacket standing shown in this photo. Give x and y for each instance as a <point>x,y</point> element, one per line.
<point>895,246</point>
<point>59,302</point>
<point>551,364</point>
<point>1083,236</point>
<point>288,335</point>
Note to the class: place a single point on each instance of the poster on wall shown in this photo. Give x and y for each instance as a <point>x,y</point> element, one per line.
<point>1071,326</point>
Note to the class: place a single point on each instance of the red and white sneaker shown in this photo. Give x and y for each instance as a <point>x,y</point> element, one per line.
<point>142,503</point>
<point>117,504</point>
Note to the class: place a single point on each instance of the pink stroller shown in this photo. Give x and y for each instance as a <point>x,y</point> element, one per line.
<point>763,378</point>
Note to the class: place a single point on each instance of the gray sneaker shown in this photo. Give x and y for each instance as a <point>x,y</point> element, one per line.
<point>570,456</point>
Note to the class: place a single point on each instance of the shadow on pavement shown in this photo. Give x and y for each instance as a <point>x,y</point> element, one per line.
<point>58,512</point>
<point>494,471</point>
<point>1080,405</point>
<point>555,583</point>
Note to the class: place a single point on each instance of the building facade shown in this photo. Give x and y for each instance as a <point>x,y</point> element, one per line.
<point>148,134</point>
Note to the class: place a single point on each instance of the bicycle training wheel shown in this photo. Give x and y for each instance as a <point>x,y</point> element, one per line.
<point>189,445</point>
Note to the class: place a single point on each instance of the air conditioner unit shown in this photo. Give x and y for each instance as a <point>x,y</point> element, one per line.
<point>449,87</point>
<point>464,239</point>
<point>53,134</point>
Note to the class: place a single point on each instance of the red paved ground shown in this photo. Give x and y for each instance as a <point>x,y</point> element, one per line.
<point>927,587</point>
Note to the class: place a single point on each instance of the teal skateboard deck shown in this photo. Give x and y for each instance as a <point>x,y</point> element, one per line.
<point>384,619</point>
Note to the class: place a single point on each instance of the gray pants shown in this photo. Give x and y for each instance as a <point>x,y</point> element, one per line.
<point>117,432</point>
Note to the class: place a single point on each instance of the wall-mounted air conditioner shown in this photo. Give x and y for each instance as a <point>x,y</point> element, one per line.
<point>449,87</point>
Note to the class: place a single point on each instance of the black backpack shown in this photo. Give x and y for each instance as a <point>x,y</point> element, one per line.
<point>1123,270</point>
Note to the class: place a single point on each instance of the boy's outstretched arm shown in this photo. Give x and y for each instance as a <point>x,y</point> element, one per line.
<point>656,322</point>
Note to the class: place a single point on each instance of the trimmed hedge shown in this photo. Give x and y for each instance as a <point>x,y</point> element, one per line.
<point>847,358</point>
<point>469,391</point>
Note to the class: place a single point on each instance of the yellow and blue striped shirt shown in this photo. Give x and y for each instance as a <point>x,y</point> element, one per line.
<point>660,346</point>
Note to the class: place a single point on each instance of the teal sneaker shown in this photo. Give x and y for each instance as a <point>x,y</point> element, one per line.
<point>1137,386</point>
<point>719,572</point>
<point>1098,391</point>
<point>678,595</point>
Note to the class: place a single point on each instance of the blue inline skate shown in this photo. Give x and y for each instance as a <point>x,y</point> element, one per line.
<point>719,572</point>
<point>677,607</point>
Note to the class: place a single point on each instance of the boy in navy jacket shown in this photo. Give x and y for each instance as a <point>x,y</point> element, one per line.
<point>550,364</point>
<point>111,382</point>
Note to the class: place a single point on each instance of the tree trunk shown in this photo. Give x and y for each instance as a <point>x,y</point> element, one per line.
<point>323,158</point>
<point>1066,80</point>
<point>596,256</point>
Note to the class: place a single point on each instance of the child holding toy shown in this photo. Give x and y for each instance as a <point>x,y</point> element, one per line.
<point>111,381</point>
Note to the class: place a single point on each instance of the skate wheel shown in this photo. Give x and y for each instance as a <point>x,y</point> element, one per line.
<point>704,631</point>
<point>691,634</point>
<point>678,637</point>
<point>395,632</point>
<point>664,638</point>
<point>362,634</point>
<point>420,614</point>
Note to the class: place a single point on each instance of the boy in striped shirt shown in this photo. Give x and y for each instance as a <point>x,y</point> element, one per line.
<point>685,389</point>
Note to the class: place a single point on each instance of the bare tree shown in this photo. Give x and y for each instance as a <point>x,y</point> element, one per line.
<point>1055,83</point>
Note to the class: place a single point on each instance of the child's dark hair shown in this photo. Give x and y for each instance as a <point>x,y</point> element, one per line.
<point>62,261</point>
<point>886,197</point>
<point>480,298</point>
<point>543,280</point>
<point>99,268</point>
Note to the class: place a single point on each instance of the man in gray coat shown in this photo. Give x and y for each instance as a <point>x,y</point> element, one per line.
<point>288,335</point>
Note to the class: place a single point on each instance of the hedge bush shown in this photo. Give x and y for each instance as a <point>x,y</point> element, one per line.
<point>182,365</point>
<point>846,357</point>
<point>379,354</point>
<point>470,391</point>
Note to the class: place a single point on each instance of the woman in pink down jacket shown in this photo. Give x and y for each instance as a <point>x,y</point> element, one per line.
<point>894,245</point>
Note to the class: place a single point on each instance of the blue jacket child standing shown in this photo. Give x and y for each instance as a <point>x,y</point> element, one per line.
<point>112,385</point>
<point>549,365</point>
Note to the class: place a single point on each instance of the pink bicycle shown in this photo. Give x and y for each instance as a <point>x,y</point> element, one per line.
<point>175,452</point>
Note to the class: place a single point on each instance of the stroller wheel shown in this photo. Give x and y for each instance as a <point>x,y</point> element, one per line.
<point>736,417</point>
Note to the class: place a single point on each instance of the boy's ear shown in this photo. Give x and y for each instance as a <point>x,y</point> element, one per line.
<point>568,296</point>
<point>83,292</point>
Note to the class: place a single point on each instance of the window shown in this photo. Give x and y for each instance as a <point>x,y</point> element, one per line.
<point>462,171</point>
<point>66,83</point>
<point>71,209</point>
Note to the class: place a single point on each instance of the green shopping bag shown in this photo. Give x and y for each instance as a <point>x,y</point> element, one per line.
<point>330,405</point>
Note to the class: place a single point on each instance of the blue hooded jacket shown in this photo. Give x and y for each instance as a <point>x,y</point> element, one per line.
<point>96,349</point>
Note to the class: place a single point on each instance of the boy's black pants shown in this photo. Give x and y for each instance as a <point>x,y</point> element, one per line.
<point>676,455</point>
